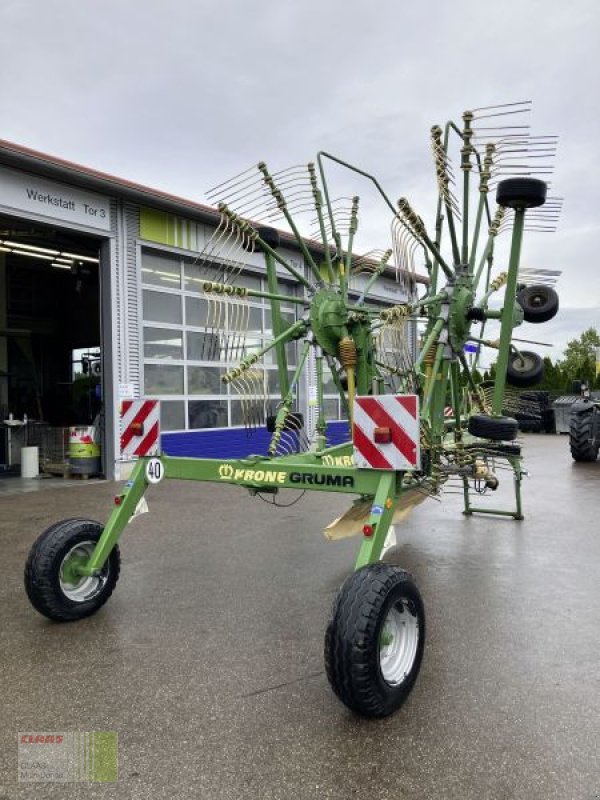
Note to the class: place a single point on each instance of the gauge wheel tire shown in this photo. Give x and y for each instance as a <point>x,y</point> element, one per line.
<point>584,446</point>
<point>498,429</point>
<point>524,369</point>
<point>539,303</point>
<point>375,639</point>
<point>51,590</point>
<point>521,193</point>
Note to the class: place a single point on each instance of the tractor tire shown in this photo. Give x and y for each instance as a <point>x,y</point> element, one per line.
<point>539,303</point>
<point>53,593</point>
<point>583,435</point>
<point>524,369</point>
<point>521,193</point>
<point>498,429</point>
<point>375,639</point>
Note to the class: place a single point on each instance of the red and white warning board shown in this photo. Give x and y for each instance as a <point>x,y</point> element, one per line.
<point>385,432</point>
<point>140,428</point>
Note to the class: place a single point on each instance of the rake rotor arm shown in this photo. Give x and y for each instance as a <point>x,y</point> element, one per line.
<point>293,332</point>
<point>378,272</point>
<point>245,228</point>
<point>242,291</point>
<point>416,223</point>
<point>282,205</point>
<point>507,321</point>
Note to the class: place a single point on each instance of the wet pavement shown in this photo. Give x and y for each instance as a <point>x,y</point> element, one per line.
<point>208,662</point>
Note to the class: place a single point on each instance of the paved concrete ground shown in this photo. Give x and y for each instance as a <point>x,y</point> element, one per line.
<point>15,485</point>
<point>208,658</point>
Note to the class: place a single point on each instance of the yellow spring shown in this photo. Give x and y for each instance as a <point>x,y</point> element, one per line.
<point>347,352</point>
<point>430,357</point>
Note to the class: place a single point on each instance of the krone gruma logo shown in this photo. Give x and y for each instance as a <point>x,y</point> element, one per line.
<point>244,475</point>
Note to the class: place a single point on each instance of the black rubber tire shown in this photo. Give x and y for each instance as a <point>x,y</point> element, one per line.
<point>526,372</point>
<point>498,429</point>
<point>43,566</point>
<point>521,193</point>
<point>539,303</point>
<point>583,435</point>
<point>352,640</point>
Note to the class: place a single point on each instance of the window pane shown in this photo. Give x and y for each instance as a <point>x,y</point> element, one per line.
<point>203,346</point>
<point>207,414</point>
<point>172,415</point>
<point>331,408</point>
<point>287,317</point>
<point>249,281</point>
<point>194,275</point>
<point>162,379</point>
<point>206,380</point>
<point>161,307</point>
<point>161,270</point>
<point>273,381</point>
<point>163,343</point>
<point>329,386</point>
<point>255,324</point>
<point>196,311</point>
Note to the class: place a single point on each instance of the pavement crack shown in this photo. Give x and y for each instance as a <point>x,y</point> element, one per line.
<point>282,685</point>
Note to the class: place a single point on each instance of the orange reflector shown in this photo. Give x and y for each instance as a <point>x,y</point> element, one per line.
<point>137,428</point>
<point>368,530</point>
<point>382,435</point>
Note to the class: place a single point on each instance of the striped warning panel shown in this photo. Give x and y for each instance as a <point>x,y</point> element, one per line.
<point>397,418</point>
<point>140,428</point>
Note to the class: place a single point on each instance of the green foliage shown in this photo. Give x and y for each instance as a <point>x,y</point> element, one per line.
<point>580,358</point>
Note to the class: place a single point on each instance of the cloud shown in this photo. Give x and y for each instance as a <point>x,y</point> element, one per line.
<point>182,95</point>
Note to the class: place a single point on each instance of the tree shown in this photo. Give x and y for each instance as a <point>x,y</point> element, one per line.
<point>579,363</point>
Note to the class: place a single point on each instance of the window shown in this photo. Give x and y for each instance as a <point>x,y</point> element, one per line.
<point>162,307</point>
<point>185,354</point>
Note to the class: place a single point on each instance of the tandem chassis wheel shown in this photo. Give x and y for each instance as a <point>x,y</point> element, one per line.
<point>373,643</point>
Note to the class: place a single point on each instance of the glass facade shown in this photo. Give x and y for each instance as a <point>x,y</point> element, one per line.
<point>184,358</point>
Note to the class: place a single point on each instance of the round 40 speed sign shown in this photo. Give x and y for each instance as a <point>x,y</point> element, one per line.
<point>155,471</point>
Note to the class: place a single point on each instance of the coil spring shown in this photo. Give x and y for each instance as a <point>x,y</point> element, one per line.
<point>463,459</point>
<point>429,358</point>
<point>436,475</point>
<point>347,351</point>
<point>497,221</point>
<point>499,281</point>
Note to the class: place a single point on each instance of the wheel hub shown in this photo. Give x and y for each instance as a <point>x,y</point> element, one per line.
<point>75,586</point>
<point>398,643</point>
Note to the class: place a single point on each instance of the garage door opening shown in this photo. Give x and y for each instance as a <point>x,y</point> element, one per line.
<point>50,346</point>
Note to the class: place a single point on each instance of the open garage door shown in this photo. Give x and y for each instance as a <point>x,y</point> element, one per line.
<point>50,345</point>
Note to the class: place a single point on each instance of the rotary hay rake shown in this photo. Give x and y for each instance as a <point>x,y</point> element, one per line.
<point>404,445</point>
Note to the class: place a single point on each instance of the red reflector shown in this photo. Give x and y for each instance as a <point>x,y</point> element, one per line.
<point>118,500</point>
<point>137,428</point>
<point>382,435</point>
<point>368,530</point>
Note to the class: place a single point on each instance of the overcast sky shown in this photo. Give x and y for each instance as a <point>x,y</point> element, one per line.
<point>180,95</point>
